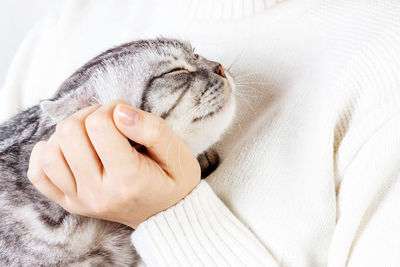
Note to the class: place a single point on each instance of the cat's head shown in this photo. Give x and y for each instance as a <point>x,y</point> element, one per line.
<point>162,76</point>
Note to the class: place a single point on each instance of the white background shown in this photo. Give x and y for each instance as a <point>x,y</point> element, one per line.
<point>17,17</point>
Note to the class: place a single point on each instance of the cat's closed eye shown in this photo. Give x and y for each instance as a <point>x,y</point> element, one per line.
<point>178,69</point>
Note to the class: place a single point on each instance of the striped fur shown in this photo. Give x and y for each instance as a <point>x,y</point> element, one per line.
<point>161,76</point>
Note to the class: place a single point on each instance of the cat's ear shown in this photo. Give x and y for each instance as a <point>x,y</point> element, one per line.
<point>59,109</point>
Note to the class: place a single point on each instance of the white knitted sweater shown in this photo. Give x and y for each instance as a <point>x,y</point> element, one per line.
<point>310,170</point>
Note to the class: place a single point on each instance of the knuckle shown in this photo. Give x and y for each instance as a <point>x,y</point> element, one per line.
<point>33,172</point>
<point>97,121</point>
<point>67,203</point>
<point>36,150</point>
<point>33,175</point>
<point>38,146</point>
<point>68,126</point>
<point>72,205</point>
<point>49,156</point>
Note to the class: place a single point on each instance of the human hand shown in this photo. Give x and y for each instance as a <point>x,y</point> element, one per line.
<point>89,167</point>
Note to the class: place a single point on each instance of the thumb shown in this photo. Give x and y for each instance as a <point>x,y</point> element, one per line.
<point>151,131</point>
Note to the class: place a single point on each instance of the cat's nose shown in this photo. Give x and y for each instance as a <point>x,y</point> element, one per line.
<point>220,70</point>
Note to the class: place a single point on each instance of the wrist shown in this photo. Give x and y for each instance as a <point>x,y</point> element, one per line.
<point>134,223</point>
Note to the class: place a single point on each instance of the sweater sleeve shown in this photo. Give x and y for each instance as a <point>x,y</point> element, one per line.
<point>368,197</point>
<point>367,159</point>
<point>198,231</point>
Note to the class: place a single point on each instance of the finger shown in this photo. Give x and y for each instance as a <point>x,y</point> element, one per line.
<point>78,151</point>
<point>113,148</point>
<point>54,165</point>
<point>39,179</point>
<point>153,132</point>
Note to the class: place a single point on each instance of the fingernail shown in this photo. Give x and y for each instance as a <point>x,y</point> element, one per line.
<point>127,115</point>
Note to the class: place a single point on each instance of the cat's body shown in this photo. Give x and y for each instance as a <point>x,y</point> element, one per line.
<point>160,76</point>
<point>34,231</point>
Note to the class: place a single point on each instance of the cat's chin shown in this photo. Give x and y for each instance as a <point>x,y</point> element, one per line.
<point>208,131</point>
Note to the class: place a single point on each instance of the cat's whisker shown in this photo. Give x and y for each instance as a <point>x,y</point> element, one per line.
<point>191,112</point>
<point>196,109</point>
<point>235,60</point>
<point>251,83</point>
<point>241,95</point>
<point>247,88</point>
<point>240,127</point>
<point>95,100</point>
<point>249,92</point>
<point>202,120</point>
<point>246,79</point>
<point>249,105</point>
<point>252,86</point>
<point>239,76</point>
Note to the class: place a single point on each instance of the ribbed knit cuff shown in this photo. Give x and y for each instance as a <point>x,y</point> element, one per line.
<point>198,231</point>
<point>224,9</point>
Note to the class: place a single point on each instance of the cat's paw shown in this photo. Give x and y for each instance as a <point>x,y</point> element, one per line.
<point>209,161</point>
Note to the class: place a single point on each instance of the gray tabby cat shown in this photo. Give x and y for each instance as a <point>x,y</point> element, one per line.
<point>163,76</point>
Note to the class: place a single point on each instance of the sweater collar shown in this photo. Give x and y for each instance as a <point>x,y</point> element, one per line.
<point>224,9</point>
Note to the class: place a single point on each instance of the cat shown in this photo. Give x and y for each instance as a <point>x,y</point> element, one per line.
<point>162,76</point>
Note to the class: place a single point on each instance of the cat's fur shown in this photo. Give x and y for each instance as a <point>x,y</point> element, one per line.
<point>162,76</point>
